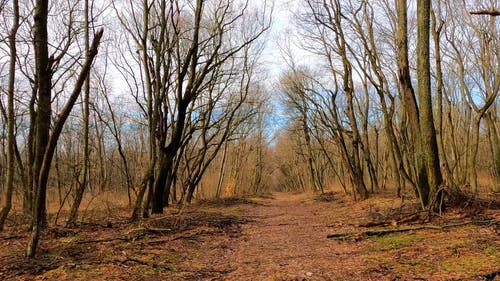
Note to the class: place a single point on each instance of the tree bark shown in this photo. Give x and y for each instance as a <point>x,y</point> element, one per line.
<point>43,111</point>
<point>427,130</point>
<point>410,103</point>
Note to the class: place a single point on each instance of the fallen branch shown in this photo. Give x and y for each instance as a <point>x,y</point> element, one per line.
<point>138,233</point>
<point>104,240</point>
<point>12,237</point>
<point>382,232</point>
<point>149,230</point>
<point>132,259</point>
<point>493,13</point>
<point>142,262</point>
<point>188,237</point>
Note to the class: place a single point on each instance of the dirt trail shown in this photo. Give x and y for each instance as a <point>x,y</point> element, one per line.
<point>287,241</point>
<point>280,238</point>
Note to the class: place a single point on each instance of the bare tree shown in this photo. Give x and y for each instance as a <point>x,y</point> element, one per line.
<point>11,115</point>
<point>83,182</point>
<point>478,79</point>
<point>295,89</point>
<point>426,119</point>
<point>46,142</point>
<point>180,51</point>
<point>409,100</point>
<point>327,23</point>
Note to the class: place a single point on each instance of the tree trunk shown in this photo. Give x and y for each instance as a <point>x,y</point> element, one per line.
<point>410,103</point>
<point>348,88</point>
<point>221,171</point>
<point>86,112</point>
<point>29,193</point>
<point>11,138</point>
<point>167,157</point>
<point>427,129</point>
<point>44,110</point>
<point>138,206</point>
<point>101,152</point>
<point>314,185</point>
<point>436,33</point>
<point>43,116</point>
<point>160,182</point>
<point>474,145</point>
<point>494,141</point>
<point>52,143</point>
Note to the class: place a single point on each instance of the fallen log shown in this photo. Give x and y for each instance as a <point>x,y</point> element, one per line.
<point>386,231</point>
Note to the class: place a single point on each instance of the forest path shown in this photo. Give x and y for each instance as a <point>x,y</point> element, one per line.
<point>286,240</point>
<point>281,238</point>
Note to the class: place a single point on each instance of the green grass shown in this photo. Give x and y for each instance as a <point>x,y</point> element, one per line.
<point>391,242</point>
<point>468,264</point>
<point>489,248</point>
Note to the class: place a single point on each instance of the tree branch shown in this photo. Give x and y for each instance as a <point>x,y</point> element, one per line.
<point>492,13</point>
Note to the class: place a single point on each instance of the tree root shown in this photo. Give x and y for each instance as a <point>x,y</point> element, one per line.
<point>385,231</point>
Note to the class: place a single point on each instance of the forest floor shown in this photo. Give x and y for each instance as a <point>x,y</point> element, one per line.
<point>279,237</point>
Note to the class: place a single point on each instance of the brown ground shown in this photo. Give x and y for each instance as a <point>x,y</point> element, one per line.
<point>282,237</point>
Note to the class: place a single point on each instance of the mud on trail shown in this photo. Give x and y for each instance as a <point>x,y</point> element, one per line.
<point>282,237</point>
